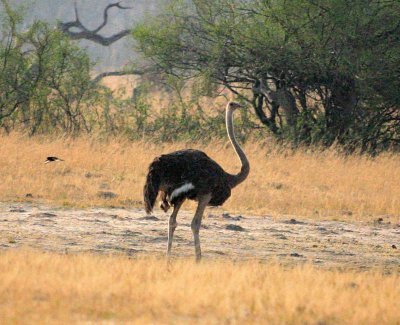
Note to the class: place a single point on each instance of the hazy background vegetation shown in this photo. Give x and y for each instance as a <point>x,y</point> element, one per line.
<point>91,12</point>
<point>317,73</point>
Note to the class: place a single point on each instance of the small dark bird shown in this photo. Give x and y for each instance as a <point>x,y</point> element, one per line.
<point>51,159</point>
<point>191,174</point>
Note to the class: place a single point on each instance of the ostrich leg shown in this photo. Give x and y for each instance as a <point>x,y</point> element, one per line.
<point>196,223</point>
<point>172,225</point>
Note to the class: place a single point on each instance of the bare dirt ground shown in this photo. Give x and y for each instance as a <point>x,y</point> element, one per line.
<point>130,232</point>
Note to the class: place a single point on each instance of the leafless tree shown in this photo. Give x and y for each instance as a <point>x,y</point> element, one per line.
<point>93,35</point>
<point>70,27</point>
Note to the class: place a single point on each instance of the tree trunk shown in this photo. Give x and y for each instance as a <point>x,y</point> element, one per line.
<point>341,107</point>
<point>287,102</point>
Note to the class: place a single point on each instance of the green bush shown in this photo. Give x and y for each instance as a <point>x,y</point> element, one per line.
<point>46,87</point>
<point>315,72</point>
<point>45,82</point>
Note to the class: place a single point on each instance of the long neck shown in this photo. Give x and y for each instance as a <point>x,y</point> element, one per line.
<point>235,180</point>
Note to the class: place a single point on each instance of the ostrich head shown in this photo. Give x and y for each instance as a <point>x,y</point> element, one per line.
<point>234,105</point>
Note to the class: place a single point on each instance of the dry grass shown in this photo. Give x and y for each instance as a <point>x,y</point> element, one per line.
<point>65,289</point>
<point>322,185</point>
<point>159,98</point>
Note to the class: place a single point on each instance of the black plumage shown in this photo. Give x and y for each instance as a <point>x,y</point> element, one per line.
<point>172,171</point>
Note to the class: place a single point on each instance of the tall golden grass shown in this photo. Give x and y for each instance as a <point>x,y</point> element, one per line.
<point>45,288</point>
<point>313,184</point>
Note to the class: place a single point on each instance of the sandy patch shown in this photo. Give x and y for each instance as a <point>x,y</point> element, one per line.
<point>129,231</point>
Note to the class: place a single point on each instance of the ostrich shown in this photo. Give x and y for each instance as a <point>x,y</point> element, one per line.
<point>191,174</point>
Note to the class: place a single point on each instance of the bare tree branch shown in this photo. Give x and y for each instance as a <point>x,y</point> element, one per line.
<point>259,88</point>
<point>102,75</point>
<point>92,35</point>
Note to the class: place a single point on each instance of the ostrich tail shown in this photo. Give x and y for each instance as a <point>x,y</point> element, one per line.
<point>150,190</point>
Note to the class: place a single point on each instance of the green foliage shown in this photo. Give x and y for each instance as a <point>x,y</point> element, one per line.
<point>185,119</point>
<point>317,72</point>
<point>45,82</point>
<point>46,87</point>
<point>329,67</point>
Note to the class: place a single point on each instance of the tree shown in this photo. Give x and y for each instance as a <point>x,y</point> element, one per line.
<point>314,71</point>
<point>76,30</point>
<point>45,80</point>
